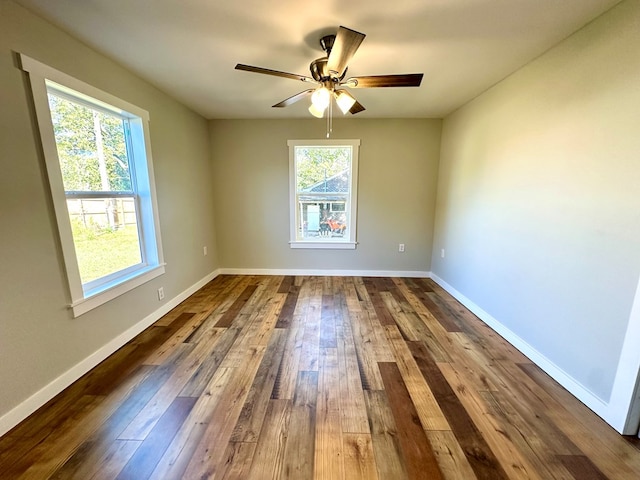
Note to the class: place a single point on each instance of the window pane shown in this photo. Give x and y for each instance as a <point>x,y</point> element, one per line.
<point>105,235</point>
<point>323,169</point>
<point>318,221</point>
<point>92,147</point>
<point>323,180</point>
<point>92,151</point>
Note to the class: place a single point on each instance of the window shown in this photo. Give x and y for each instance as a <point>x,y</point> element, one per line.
<point>98,161</point>
<point>323,190</point>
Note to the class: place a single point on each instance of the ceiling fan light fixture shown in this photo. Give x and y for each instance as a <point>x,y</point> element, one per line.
<point>316,112</point>
<point>320,98</point>
<point>328,72</point>
<point>344,100</point>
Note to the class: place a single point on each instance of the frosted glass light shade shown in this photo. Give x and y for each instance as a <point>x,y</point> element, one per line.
<point>321,98</point>
<point>316,112</point>
<point>344,100</point>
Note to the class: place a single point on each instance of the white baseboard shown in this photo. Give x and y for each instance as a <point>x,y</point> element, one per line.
<point>578,390</point>
<point>42,396</point>
<point>325,273</point>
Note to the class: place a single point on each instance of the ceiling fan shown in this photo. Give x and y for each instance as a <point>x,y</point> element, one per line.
<point>328,74</point>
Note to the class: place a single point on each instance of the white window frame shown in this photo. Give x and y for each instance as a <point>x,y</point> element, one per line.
<point>326,243</point>
<point>93,294</point>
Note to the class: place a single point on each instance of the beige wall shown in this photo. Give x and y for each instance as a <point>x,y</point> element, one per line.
<point>396,193</point>
<point>539,200</point>
<point>39,339</point>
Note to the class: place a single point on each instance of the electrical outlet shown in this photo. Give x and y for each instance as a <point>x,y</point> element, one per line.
<point>204,250</point>
<point>401,247</point>
<point>160,293</point>
<point>442,253</point>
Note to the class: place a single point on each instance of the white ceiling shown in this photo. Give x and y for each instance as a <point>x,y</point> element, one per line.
<point>189,48</point>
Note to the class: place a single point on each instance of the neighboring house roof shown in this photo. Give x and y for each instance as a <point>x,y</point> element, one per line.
<point>338,183</point>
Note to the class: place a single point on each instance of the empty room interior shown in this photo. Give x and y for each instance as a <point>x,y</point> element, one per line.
<point>434,279</point>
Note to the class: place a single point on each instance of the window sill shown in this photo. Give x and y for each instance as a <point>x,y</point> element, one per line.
<point>324,245</point>
<point>106,293</point>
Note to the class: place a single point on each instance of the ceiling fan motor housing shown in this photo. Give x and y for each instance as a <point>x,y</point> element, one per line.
<point>320,71</point>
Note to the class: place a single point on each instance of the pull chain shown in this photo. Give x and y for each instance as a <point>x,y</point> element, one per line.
<point>330,119</point>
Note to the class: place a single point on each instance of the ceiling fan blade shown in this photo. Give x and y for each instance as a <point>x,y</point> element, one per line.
<point>345,46</point>
<point>275,73</point>
<point>376,81</point>
<point>294,98</point>
<point>356,108</point>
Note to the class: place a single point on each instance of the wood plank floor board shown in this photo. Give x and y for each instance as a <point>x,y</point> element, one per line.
<point>219,301</point>
<point>237,461</point>
<point>24,466</point>
<point>180,452</point>
<point>478,376</point>
<point>298,460</point>
<point>538,453</point>
<point>63,442</point>
<point>492,427</point>
<point>284,385</point>
<point>329,457</point>
<point>285,285</point>
<point>359,458</point>
<point>328,323</point>
<point>431,331</point>
<point>363,338</point>
<point>145,421</point>
<point>590,434</point>
<point>421,395</point>
<point>112,461</point>
<point>422,293</point>
<point>287,374</point>
<point>306,377</point>
<point>257,329</point>
<point>475,359</point>
<point>16,457</point>
<point>148,454</point>
<point>160,355</point>
<point>581,467</point>
<point>352,407</point>
<point>285,316</point>
<point>478,454</point>
<point>234,310</point>
<point>80,425</point>
<point>453,462</point>
<point>532,415</point>
<point>249,424</point>
<point>268,458</point>
<point>471,323</point>
<point>384,438</point>
<point>405,325</point>
<point>416,449</point>
<point>310,353</point>
<point>382,312</point>
<point>206,459</point>
<point>218,349</point>
<point>50,416</point>
<point>83,463</point>
<point>350,292</point>
<point>106,377</point>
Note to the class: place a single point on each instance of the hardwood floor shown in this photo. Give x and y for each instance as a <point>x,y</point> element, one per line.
<point>316,378</point>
